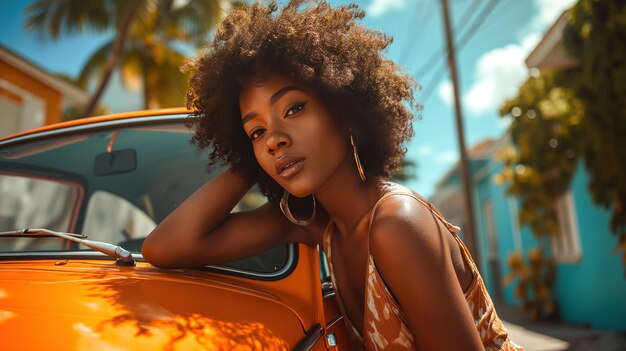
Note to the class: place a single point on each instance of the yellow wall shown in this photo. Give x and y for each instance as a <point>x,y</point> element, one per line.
<point>9,95</point>
<point>36,87</point>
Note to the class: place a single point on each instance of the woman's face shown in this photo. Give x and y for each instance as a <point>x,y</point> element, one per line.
<point>295,138</point>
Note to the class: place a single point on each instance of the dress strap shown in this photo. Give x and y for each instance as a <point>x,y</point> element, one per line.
<point>386,195</point>
<point>452,228</point>
<point>325,236</point>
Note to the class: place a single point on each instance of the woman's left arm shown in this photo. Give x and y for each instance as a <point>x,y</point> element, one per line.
<point>411,252</point>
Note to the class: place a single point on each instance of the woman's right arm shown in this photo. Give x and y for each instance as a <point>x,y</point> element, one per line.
<point>203,231</point>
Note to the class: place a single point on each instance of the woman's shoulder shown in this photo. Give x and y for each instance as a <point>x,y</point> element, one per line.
<point>406,199</point>
<point>406,239</point>
<point>402,217</point>
<point>397,201</point>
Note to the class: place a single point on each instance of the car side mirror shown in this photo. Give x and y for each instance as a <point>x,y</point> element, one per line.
<point>115,162</point>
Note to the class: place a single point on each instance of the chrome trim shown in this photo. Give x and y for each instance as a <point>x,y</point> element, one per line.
<point>123,257</point>
<point>311,338</point>
<point>331,340</point>
<point>78,254</point>
<point>328,295</point>
<point>95,125</point>
<point>334,321</point>
<point>290,261</point>
<point>87,254</point>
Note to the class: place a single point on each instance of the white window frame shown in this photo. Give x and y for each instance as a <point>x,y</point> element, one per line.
<point>566,243</point>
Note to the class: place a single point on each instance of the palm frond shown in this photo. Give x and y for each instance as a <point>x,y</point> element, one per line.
<point>154,35</point>
<point>166,83</point>
<point>95,64</point>
<point>199,18</point>
<point>132,70</point>
<point>53,18</point>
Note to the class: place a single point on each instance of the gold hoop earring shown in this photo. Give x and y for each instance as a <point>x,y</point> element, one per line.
<point>284,207</point>
<point>359,167</point>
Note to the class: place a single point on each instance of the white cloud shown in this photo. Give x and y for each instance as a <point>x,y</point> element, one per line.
<point>446,92</point>
<point>548,11</point>
<point>446,157</point>
<point>499,72</point>
<point>505,122</point>
<point>378,7</point>
<point>424,150</point>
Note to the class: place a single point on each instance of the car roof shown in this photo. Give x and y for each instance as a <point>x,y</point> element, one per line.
<point>88,120</point>
<point>128,185</point>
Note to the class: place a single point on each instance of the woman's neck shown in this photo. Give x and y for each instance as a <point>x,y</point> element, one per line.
<point>346,198</point>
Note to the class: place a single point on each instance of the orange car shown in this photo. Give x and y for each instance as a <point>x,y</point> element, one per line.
<point>76,201</point>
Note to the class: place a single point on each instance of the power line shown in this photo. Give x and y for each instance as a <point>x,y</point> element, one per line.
<point>465,19</point>
<point>416,20</point>
<point>486,11</point>
<point>501,14</point>
<point>465,163</point>
<point>429,90</point>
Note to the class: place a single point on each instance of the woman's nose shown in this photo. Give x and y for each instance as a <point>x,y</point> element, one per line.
<point>276,141</point>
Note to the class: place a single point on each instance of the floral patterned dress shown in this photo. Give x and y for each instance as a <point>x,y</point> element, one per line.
<point>386,326</point>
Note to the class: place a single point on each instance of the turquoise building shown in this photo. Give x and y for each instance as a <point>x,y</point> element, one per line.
<point>590,283</point>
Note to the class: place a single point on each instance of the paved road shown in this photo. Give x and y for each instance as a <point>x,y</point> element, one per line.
<point>555,336</point>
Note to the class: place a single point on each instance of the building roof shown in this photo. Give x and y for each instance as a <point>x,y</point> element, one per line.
<point>478,151</point>
<point>551,52</point>
<point>69,91</point>
<point>482,149</point>
<point>478,154</point>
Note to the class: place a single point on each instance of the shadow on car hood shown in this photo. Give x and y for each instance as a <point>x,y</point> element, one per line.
<point>94,305</point>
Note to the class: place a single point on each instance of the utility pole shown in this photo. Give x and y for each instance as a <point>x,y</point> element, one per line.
<point>470,227</point>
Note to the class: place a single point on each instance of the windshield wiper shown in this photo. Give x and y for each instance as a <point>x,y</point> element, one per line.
<point>122,256</point>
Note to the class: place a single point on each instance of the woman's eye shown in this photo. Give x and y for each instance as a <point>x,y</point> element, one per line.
<point>256,134</point>
<point>295,109</point>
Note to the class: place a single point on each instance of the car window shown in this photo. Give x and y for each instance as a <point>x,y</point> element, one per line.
<point>133,172</point>
<point>324,270</point>
<point>32,202</point>
<point>113,219</point>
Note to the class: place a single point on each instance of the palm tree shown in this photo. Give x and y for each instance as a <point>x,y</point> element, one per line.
<point>146,47</point>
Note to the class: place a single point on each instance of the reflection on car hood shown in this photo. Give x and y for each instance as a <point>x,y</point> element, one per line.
<point>94,305</point>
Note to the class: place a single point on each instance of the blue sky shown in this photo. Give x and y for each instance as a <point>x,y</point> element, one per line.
<point>490,65</point>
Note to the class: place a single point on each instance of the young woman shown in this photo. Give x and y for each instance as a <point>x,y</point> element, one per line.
<point>303,103</point>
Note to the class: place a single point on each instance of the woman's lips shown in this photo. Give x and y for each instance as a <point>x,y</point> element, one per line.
<point>287,166</point>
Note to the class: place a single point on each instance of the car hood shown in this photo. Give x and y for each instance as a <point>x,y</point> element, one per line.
<point>95,305</point>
